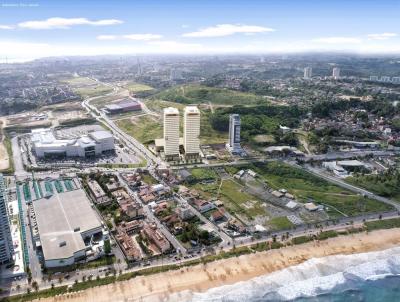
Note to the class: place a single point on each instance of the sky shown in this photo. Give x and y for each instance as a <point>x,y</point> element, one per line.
<point>33,29</point>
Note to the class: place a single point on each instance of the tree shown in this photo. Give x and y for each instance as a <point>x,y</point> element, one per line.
<point>35,286</point>
<point>107,247</point>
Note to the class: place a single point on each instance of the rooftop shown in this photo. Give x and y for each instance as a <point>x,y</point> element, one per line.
<point>63,217</point>
<point>171,111</point>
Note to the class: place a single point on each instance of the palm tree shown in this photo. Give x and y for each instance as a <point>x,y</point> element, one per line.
<point>35,286</point>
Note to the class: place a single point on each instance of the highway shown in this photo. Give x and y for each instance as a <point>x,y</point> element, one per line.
<point>343,184</point>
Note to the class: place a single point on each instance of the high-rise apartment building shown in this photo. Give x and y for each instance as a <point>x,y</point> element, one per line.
<point>336,72</point>
<point>307,73</point>
<point>191,131</point>
<point>396,80</point>
<point>171,133</point>
<point>234,134</point>
<point>6,244</point>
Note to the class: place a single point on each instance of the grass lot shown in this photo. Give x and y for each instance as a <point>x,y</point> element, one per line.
<point>147,178</point>
<point>137,87</point>
<point>234,199</point>
<point>307,187</point>
<point>86,87</point>
<point>383,224</point>
<point>208,135</point>
<point>189,94</point>
<point>200,174</point>
<point>280,223</point>
<point>143,128</point>
<point>159,105</point>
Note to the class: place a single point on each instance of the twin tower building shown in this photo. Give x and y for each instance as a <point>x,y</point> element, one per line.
<point>190,142</point>
<point>191,133</point>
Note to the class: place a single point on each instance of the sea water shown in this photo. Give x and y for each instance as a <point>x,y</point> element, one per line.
<point>370,277</point>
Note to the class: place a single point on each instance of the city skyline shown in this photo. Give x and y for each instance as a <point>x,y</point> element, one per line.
<point>39,29</point>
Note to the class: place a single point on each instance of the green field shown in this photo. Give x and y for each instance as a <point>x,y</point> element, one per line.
<point>143,128</point>
<point>200,174</point>
<point>137,87</point>
<point>280,223</point>
<point>86,87</point>
<point>197,94</point>
<point>147,178</point>
<point>159,105</point>
<point>307,187</point>
<point>234,198</point>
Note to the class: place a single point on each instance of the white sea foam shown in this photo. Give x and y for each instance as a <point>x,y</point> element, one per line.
<point>311,278</point>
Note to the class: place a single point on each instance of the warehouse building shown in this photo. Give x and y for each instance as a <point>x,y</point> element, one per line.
<point>66,223</point>
<point>45,144</point>
<point>126,105</point>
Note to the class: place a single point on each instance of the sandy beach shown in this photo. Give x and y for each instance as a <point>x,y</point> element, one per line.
<point>168,286</point>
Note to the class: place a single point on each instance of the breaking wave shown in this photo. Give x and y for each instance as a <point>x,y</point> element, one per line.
<point>315,277</point>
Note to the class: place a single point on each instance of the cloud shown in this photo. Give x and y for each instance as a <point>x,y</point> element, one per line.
<point>383,36</point>
<point>6,27</point>
<point>222,30</point>
<point>106,37</point>
<point>52,23</point>
<point>338,40</point>
<point>135,37</point>
<point>142,37</point>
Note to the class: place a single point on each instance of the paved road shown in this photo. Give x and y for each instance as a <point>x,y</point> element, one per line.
<point>226,240</point>
<point>17,157</point>
<point>350,187</point>
<point>151,217</point>
<point>300,231</point>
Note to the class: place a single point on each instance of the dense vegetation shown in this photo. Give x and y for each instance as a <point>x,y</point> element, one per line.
<point>378,107</point>
<point>190,94</point>
<point>262,119</point>
<point>386,184</point>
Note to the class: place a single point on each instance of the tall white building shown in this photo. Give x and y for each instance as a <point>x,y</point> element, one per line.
<point>234,134</point>
<point>6,243</point>
<point>191,131</point>
<point>396,80</point>
<point>336,72</point>
<point>171,132</point>
<point>307,73</point>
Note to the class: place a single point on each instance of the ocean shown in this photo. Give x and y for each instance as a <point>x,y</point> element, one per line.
<point>370,277</point>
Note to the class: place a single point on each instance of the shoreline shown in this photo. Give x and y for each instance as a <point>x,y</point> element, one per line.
<point>172,285</point>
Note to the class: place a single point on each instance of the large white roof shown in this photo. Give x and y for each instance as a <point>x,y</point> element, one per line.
<point>63,217</point>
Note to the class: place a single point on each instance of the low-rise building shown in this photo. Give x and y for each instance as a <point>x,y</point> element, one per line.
<point>156,237</point>
<point>97,192</point>
<point>203,205</point>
